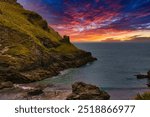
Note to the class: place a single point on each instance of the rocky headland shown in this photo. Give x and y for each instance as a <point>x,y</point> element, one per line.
<point>30,51</point>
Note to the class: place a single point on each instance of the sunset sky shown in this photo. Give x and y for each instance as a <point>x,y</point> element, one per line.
<point>95,20</point>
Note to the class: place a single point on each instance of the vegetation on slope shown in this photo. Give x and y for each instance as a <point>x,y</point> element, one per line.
<point>31,48</point>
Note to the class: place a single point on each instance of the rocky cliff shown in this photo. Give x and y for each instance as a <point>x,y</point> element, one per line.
<point>30,50</point>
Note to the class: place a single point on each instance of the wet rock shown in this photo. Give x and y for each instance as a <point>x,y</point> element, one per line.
<point>82,91</point>
<point>35,92</point>
<point>141,76</point>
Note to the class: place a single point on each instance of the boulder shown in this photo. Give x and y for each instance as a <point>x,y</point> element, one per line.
<point>83,91</point>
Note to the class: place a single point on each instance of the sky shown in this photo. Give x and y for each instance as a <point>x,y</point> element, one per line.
<point>95,20</point>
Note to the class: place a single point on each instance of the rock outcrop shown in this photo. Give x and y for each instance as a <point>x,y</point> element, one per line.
<point>30,50</point>
<point>82,91</point>
<point>142,76</point>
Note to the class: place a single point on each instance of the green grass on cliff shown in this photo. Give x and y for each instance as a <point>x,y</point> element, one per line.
<point>66,48</point>
<point>19,50</point>
<point>13,16</point>
<point>30,28</point>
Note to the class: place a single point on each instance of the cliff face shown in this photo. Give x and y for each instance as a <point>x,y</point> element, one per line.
<point>29,49</point>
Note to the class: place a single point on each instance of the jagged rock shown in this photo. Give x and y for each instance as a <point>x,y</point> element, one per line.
<point>36,19</point>
<point>82,91</point>
<point>65,39</point>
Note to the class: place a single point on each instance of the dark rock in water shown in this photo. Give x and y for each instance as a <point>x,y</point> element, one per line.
<point>148,73</point>
<point>6,85</point>
<point>82,91</point>
<point>148,84</point>
<point>35,92</point>
<point>140,76</point>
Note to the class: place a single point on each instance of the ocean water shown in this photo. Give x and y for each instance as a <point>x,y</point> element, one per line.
<point>113,71</point>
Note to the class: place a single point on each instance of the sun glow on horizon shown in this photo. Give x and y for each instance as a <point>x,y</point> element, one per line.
<point>95,20</point>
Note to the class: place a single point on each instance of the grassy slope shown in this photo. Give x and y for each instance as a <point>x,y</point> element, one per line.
<point>13,16</point>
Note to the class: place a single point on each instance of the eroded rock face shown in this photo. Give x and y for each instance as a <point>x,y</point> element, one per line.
<point>82,91</point>
<point>6,85</point>
<point>7,74</point>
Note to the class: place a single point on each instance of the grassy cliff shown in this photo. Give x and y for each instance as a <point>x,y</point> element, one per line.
<point>30,49</point>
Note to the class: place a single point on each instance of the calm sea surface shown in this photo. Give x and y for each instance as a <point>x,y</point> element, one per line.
<point>113,71</point>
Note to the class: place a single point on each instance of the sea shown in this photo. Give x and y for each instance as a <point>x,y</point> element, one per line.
<point>114,71</point>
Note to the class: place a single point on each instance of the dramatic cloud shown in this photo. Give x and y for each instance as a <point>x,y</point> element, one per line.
<point>95,20</point>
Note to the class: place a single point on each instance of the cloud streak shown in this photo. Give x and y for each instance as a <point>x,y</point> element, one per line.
<point>95,20</point>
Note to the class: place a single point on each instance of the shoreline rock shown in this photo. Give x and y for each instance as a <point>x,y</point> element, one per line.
<point>142,76</point>
<point>82,91</point>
